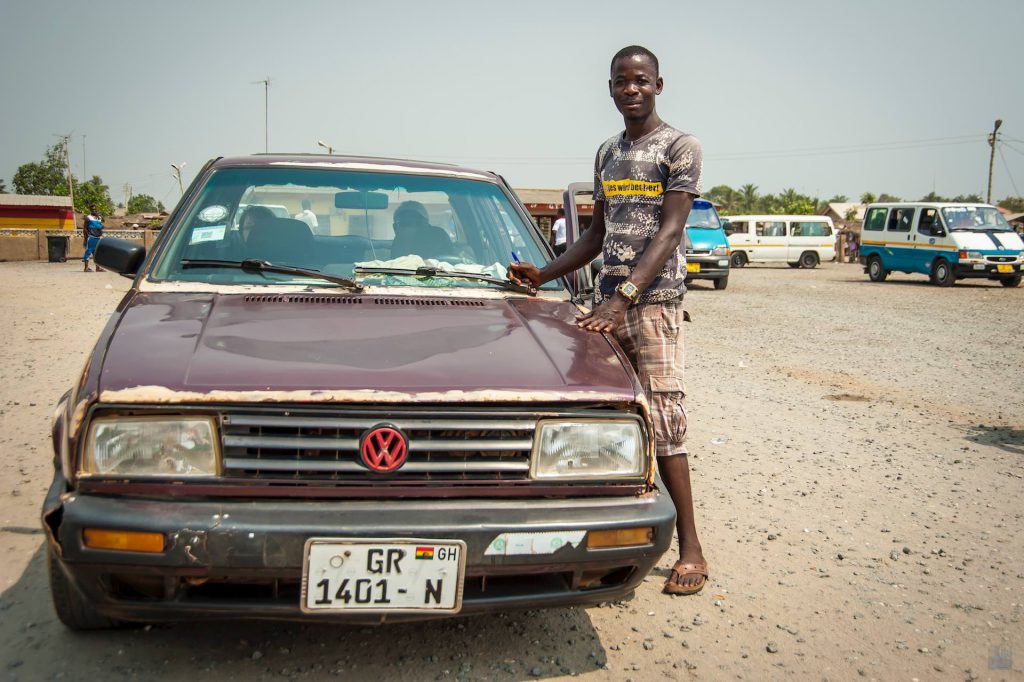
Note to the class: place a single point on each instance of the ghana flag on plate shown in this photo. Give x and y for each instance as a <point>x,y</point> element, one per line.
<point>424,552</point>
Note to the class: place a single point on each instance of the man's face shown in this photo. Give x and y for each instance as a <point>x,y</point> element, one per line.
<point>633,86</point>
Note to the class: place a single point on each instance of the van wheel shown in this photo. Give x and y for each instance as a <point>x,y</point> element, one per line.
<point>942,273</point>
<point>1010,282</point>
<point>876,273</point>
<point>793,265</point>
<point>738,259</point>
<point>721,283</point>
<point>71,607</point>
<point>808,259</point>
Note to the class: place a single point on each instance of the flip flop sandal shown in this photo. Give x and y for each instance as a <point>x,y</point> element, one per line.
<point>680,569</point>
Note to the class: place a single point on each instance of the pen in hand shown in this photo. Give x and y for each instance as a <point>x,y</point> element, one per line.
<point>515,259</point>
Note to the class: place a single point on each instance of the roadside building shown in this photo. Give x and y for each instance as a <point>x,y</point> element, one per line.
<point>543,204</point>
<point>30,211</point>
<point>838,212</point>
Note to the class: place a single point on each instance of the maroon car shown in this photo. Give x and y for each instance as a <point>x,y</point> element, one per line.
<point>322,399</point>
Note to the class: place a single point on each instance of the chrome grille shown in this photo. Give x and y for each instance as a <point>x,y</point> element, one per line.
<point>448,446</point>
<point>1000,259</point>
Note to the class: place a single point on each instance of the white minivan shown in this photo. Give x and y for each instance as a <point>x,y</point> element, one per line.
<point>799,240</point>
<point>945,241</point>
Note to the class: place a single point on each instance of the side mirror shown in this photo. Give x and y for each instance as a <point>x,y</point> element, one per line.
<point>120,255</point>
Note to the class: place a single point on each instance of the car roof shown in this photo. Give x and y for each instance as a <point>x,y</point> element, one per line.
<point>361,163</point>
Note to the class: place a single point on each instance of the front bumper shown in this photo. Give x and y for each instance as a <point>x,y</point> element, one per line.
<point>986,271</point>
<point>230,559</point>
<point>711,267</point>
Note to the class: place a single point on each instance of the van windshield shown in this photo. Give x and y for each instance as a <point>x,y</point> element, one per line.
<point>704,216</point>
<point>974,218</point>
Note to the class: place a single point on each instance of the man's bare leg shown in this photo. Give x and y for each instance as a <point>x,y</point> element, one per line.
<point>675,472</point>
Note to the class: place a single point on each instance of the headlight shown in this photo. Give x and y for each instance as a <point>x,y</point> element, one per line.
<point>720,251</point>
<point>151,446</point>
<point>589,449</point>
<point>975,255</point>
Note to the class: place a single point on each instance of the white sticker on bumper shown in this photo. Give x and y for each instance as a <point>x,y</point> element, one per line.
<point>549,542</point>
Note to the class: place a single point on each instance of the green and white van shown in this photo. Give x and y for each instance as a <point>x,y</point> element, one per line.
<point>945,241</point>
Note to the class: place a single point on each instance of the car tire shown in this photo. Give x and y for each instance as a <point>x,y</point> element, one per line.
<point>942,273</point>
<point>793,265</point>
<point>721,283</point>
<point>809,260</point>
<point>71,607</point>
<point>1010,282</point>
<point>738,259</point>
<point>876,272</point>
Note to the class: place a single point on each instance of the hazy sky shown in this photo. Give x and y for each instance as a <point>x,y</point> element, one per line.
<point>822,96</point>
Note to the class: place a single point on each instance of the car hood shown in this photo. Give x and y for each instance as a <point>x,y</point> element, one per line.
<point>173,346</point>
<point>987,240</point>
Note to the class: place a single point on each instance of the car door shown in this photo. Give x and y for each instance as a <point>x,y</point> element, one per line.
<point>769,241</point>
<point>898,239</point>
<point>581,281</point>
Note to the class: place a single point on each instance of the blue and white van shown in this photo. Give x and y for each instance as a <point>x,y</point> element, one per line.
<point>945,241</point>
<point>707,249</point>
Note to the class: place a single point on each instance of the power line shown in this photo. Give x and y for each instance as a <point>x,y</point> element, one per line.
<point>1016,192</point>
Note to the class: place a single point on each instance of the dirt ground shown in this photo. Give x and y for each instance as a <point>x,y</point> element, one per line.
<point>858,457</point>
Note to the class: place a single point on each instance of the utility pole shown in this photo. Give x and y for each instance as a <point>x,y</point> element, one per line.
<point>266,111</point>
<point>85,173</point>
<point>67,164</point>
<point>127,195</point>
<point>992,140</point>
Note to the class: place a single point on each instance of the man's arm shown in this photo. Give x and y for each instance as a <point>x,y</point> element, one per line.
<point>675,208</point>
<point>582,251</point>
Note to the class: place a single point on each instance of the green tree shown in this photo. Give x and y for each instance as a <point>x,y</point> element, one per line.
<point>888,198</point>
<point>143,203</point>
<point>968,199</point>
<point>93,193</point>
<point>1013,204</point>
<point>867,198</point>
<point>838,199</point>
<point>932,196</point>
<point>724,196</point>
<point>748,198</point>
<point>47,177</point>
<point>3,186</point>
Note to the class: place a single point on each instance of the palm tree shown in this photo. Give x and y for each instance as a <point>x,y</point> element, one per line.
<point>867,198</point>
<point>748,198</point>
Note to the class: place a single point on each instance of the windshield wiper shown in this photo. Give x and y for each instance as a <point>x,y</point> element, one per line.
<point>254,265</point>
<point>454,274</point>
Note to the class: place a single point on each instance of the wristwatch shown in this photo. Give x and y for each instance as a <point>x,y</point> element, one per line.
<point>629,291</point>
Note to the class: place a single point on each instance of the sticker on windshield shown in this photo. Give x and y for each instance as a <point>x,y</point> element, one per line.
<point>212,214</point>
<point>207,234</point>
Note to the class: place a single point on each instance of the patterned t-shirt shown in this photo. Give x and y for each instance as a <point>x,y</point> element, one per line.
<point>631,177</point>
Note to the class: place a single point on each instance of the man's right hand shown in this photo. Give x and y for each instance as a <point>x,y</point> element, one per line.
<point>524,273</point>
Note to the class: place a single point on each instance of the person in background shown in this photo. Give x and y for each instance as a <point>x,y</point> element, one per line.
<point>93,229</point>
<point>851,246</point>
<point>558,233</point>
<point>307,216</point>
<point>252,216</point>
<point>415,235</point>
<point>645,181</point>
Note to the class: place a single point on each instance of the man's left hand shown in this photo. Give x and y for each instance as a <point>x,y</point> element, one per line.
<point>606,318</point>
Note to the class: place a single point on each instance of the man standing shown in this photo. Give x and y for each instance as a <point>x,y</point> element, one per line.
<point>93,230</point>
<point>558,233</point>
<point>645,180</point>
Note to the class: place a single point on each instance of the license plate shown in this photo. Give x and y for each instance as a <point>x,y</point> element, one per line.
<point>383,576</point>
<point>1004,268</point>
<point>693,267</point>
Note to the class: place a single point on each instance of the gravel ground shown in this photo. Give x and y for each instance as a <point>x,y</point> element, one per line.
<point>858,457</point>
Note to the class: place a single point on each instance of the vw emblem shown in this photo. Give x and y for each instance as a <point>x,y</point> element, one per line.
<point>384,448</point>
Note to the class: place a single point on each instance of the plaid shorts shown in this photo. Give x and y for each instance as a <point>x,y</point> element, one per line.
<point>652,337</point>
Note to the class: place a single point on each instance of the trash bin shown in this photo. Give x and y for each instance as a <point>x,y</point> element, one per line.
<point>57,248</point>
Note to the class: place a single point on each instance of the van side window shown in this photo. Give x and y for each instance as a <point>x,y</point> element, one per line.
<point>810,229</point>
<point>929,222</point>
<point>900,220</point>
<point>875,219</point>
<point>771,228</point>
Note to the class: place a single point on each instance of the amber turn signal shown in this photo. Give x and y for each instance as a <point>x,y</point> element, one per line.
<point>619,537</point>
<point>123,540</point>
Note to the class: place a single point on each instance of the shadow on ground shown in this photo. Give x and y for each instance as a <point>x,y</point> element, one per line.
<point>1002,437</point>
<point>513,646</point>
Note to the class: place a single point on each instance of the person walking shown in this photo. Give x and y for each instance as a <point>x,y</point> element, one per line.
<point>558,233</point>
<point>93,229</point>
<point>645,181</point>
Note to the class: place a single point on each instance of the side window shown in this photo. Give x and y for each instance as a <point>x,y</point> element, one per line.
<point>810,229</point>
<point>875,219</point>
<point>900,220</point>
<point>929,222</point>
<point>797,230</point>
<point>771,228</point>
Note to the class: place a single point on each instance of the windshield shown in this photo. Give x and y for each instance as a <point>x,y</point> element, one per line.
<point>335,221</point>
<point>703,215</point>
<point>974,218</point>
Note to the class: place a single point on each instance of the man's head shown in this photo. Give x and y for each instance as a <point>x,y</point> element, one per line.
<point>307,205</point>
<point>253,215</point>
<point>560,213</point>
<point>92,209</point>
<point>410,215</point>
<point>635,82</point>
